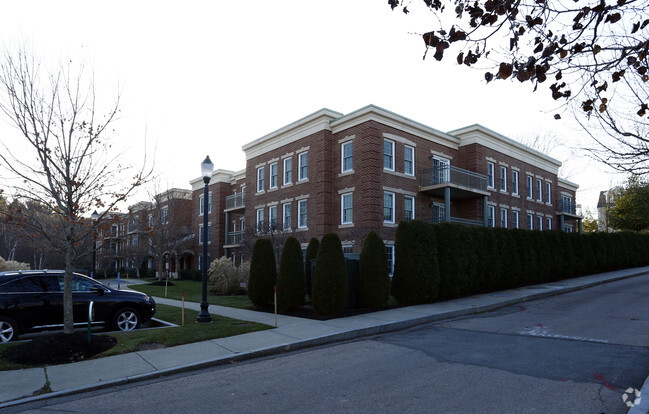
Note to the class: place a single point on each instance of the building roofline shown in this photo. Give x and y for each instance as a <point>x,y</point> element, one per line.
<point>218,176</point>
<point>568,184</point>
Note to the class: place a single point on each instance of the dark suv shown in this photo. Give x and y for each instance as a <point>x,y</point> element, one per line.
<point>33,300</point>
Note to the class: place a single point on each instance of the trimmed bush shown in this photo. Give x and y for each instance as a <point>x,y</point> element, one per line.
<point>416,273</point>
<point>263,274</point>
<point>290,281</point>
<point>330,277</point>
<point>311,254</point>
<point>374,283</point>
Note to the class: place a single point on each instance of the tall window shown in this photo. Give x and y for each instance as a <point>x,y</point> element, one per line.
<point>529,187</point>
<point>388,154</point>
<point>490,174</point>
<point>389,253</point>
<point>408,208</point>
<point>514,182</point>
<point>288,170</point>
<point>491,219</point>
<point>539,223</point>
<point>272,218</point>
<point>273,175</point>
<point>539,190</point>
<point>548,223</point>
<point>209,233</point>
<point>301,219</point>
<point>346,208</point>
<point>530,222</point>
<point>303,164</point>
<point>260,179</point>
<point>503,217</point>
<point>515,219</point>
<point>260,220</point>
<point>202,204</point>
<point>548,193</point>
<point>286,209</point>
<point>439,213</point>
<point>388,207</point>
<point>347,152</point>
<point>566,204</point>
<point>409,160</point>
<point>503,178</point>
<point>164,215</point>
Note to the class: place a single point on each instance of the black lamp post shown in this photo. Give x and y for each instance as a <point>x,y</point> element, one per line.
<point>206,169</point>
<point>94,217</point>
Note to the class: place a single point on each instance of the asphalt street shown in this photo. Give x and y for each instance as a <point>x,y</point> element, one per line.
<point>572,353</point>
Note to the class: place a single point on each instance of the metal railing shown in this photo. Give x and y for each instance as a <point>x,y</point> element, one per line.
<point>569,207</point>
<point>235,200</point>
<point>235,237</point>
<point>453,175</point>
<point>458,220</point>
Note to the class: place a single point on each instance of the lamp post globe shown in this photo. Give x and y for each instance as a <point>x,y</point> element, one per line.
<point>206,170</point>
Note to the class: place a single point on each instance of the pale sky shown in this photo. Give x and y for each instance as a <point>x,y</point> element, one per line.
<point>204,78</point>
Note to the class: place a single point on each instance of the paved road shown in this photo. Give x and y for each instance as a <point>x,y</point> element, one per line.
<point>573,353</point>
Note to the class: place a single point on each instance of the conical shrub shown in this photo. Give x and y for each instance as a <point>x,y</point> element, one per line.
<point>374,281</point>
<point>263,274</point>
<point>311,254</point>
<point>330,278</point>
<point>290,281</point>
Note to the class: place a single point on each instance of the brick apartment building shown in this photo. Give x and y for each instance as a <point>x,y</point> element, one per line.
<point>369,170</point>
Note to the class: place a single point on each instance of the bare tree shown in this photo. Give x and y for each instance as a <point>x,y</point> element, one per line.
<point>64,160</point>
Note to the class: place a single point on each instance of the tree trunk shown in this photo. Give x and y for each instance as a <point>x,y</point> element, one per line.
<point>68,315</point>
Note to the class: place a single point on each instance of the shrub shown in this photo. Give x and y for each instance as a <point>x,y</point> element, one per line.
<point>263,274</point>
<point>225,279</point>
<point>190,274</point>
<point>455,258</point>
<point>416,273</point>
<point>311,254</point>
<point>6,266</point>
<point>290,281</point>
<point>374,281</point>
<point>330,277</point>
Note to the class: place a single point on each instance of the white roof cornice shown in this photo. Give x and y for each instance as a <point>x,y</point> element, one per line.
<point>569,185</point>
<point>218,176</point>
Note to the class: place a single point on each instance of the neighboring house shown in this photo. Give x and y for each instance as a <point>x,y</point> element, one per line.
<point>605,202</point>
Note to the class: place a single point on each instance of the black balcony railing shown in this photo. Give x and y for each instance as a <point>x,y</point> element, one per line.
<point>235,201</point>
<point>458,220</point>
<point>235,237</point>
<point>568,207</point>
<point>453,175</point>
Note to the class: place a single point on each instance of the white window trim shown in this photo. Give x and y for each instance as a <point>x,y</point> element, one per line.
<point>515,218</point>
<point>392,220</point>
<point>342,157</point>
<point>529,184</point>
<point>260,179</point>
<point>290,218</point>
<point>503,177</point>
<point>412,150</point>
<point>491,179</point>
<point>301,225</point>
<point>272,209</point>
<point>290,181</point>
<point>299,169</point>
<point>392,144</point>
<point>342,208</point>
<point>413,207</point>
<point>270,175</point>
<point>491,213</point>
<point>259,220</point>
<point>503,214</point>
<point>539,190</point>
<point>514,182</point>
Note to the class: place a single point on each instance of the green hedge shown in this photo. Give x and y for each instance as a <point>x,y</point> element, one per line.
<point>330,277</point>
<point>263,274</point>
<point>290,281</point>
<point>440,261</point>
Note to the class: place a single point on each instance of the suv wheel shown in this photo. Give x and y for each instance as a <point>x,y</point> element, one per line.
<point>126,319</point>
<point>8,329</point>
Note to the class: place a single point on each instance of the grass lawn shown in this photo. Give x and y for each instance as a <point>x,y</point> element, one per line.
<point>193,293</point>
<point>191,332</point>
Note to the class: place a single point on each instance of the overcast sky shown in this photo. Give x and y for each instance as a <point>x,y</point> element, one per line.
<point>205,77</point>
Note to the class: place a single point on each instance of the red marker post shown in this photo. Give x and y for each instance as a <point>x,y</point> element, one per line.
<point>275,300</point>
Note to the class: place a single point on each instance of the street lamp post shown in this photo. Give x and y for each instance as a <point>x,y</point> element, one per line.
<point>206,169</point>
<point>94,217</point>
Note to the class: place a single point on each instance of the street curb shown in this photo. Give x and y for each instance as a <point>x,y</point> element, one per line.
<point>328,339</point>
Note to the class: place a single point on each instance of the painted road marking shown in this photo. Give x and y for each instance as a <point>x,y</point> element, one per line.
<point>545,333</point>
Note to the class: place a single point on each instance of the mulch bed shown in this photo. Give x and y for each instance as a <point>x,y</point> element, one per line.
<point>58,348</point>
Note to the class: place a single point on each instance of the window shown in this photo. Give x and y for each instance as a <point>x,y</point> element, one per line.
<point>388,154</point>
<point>503,217</point>
<point>347,155</point>
<point>503,178</point>
<point>408,208</point>
<point>539,223</point>
<point>346,208</point>
<point>301,211</point>
<point>548,223</point>
<point>439,213</point>
<point>389,253</point>
<point>273,175</point>
<point>566,204</point>
<point>548,193</point>
<point>440,170</point>
<point>303,164</point>
<point>539,190</point>
<point>388,207</point>
<point>288,170</point>
<point>243,225</point>
<point>202,204</point>
<point>260,220</point>
<point>490,174</point>
<point>529,187</point>
<point>530,222</point>
<point>409,160</point>
<point>491,216</point>
<point>150,220</point>
<point>209,234</point>
<point>164,215</point>
<point>272,218</point>
<point>347,248</point>
<point>515,219</point>
<point>515,182</point>
<point>260,179</point>
<point>286,208</point>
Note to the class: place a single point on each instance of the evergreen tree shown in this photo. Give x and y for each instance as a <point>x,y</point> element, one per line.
<point>263,274</point>
<point>330,277</point>
<point>374,274</point>
<point>311,254</point>
<point>290,281</point>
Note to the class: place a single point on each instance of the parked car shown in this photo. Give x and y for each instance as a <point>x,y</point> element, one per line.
<point>32,300</point>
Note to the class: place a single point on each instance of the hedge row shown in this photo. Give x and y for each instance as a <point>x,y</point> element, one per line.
<point>441,261</point>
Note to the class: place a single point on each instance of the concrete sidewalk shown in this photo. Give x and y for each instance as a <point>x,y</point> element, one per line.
<point>21,386</point>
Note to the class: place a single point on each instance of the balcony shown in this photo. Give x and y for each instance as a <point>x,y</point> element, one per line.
<point>568,208</point>
<point>234,238</point>
<point>459,220</point>
<point>235,202</point>
<point>463,184</point>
